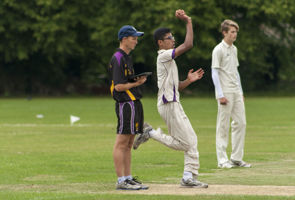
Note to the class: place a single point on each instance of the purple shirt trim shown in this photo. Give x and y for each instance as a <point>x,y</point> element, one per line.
<point>118,55</point>
<point>173,54</point>
<point>164,99</point>
<point>174,94</point>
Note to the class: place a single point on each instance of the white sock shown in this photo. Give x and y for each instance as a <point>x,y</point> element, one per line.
<point>128,177</point>
<point>121,179</point>
<point>187,175</point>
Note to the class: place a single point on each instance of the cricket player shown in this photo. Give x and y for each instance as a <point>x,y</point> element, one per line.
<point>230,99</point>
<point>181,133</point>
<point>127,94</point>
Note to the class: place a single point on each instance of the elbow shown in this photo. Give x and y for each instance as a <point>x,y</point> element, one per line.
<point>118,88</point>
<point>213,74</point>
<point>179,88</point>
<point>189,45</point>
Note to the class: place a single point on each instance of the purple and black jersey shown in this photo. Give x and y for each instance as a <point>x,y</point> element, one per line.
<point>120,71</point>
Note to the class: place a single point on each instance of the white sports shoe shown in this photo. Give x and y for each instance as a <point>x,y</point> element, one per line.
<point>242,163</point>
<point>193,183</point>
<point>143,137</point>
<point>127,185</point>
<point>226,165</point>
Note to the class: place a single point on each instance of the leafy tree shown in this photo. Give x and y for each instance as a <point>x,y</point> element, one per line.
<point>64,46</point>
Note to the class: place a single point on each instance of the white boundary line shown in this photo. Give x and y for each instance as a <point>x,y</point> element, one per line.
<point>58,125</point>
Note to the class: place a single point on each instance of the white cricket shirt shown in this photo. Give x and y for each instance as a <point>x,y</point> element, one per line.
<point>225,59</point>
<point>167,74</point>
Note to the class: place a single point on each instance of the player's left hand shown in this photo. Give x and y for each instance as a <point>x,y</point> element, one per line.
<point>196,75</point>
<point>140,80</point>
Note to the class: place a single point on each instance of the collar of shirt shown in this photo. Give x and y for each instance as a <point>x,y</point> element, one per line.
<point>226,45</point>
<point>162,50</point>
<point>122,51</point>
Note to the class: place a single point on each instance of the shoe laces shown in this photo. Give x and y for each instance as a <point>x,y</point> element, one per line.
<point>129,181</point>
<point>135,179</point>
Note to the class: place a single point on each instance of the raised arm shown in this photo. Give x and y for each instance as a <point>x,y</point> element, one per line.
<point>188,42</point>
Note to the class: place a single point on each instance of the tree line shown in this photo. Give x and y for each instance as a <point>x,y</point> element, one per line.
<point>60,47</point>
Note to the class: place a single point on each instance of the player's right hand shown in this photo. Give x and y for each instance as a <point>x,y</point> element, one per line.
<point>223,101</point>
<point>180,14</point>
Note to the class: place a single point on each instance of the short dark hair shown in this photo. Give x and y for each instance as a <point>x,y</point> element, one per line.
<point>160,33</point>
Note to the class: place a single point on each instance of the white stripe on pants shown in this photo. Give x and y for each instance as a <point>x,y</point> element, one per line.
<point>234,109</point>
<point>181,135</point>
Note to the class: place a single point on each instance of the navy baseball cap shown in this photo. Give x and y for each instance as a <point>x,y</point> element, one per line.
<point>128,30</point>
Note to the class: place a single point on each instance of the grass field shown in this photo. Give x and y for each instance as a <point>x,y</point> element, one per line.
<point>47,158</point>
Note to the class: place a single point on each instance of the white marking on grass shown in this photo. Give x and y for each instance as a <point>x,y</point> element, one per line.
<point>58,125</point>
<point>44,177</point>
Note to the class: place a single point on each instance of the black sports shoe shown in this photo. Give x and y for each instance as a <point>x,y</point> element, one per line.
<point>242,163</point>
<point>127,185</point>
<point>137,182</point>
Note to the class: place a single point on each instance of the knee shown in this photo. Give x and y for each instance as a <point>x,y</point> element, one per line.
<point>123,147</point>
<point>223,127</point>
<point>129,146</point>
<point>189,144</point>
<point>239,124</point>
<point>242,125</point>
<point>192,146</point>
<point>193,153</point>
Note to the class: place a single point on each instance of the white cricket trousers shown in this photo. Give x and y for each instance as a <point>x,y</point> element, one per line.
<point>181,135</point>
<point>234,109</point>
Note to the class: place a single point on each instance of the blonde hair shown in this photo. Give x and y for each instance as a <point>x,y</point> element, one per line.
<point>227,23</point>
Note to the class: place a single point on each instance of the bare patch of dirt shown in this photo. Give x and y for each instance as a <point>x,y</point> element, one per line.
<point>156,189</point>
<point>171,189</point>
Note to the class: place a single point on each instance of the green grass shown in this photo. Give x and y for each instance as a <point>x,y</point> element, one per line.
<point>50,159</point>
